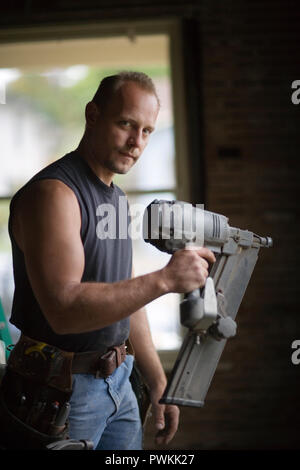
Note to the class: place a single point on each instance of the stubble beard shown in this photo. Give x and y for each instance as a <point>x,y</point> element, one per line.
<point>120,169</point>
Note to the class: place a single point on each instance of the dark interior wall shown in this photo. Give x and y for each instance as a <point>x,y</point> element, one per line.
<point>250,143</point>
<point>240,59</point>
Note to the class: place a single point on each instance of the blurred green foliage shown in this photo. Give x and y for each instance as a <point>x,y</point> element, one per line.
<point>66,104</point>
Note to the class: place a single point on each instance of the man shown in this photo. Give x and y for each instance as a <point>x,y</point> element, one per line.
<point>74,290</point>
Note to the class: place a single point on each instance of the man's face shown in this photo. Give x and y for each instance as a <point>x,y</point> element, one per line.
<point>122,130</point>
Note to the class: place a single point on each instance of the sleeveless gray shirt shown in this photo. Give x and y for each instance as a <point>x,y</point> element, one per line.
<point>106,259</point>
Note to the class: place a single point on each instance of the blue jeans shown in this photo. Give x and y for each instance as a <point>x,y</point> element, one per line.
<point>105,411</point>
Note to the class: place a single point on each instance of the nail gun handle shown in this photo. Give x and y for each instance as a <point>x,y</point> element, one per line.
<point>195,294</point>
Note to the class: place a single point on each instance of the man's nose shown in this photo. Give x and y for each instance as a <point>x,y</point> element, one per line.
<point>136,139</point>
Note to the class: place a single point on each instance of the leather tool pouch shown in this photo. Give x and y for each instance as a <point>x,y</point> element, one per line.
<point>35,391</point>
<point>42,363</point>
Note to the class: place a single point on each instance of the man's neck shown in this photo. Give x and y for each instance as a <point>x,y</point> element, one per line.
<point>85,151</point>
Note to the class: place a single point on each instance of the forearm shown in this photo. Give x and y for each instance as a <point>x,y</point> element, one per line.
<point>86,307</point>
<point>145,353</point>
<point>165,416</point>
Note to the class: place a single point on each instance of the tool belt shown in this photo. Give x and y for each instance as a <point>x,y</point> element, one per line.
<point>52,366</point>
<point>99,365</point>
<point>37,384</point>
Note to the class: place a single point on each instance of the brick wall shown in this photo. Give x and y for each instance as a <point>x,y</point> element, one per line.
<point>251,142</point>
<point>244,152</point>
<point>245,59</point>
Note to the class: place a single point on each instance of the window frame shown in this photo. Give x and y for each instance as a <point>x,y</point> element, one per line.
<point>171,28</point>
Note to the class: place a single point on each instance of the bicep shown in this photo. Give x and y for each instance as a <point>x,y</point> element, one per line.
<point>49,231</point>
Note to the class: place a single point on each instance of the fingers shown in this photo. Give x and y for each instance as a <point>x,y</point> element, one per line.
<point>158,412</point>
<point>203,252</point>
<point>165,435</point>
<point>166,419</point>
<point>202,257</point>
<point>188,269</point>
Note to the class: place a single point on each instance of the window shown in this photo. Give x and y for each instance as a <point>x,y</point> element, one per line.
<point>46,87</point>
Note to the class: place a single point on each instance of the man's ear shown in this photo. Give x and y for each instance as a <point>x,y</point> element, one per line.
<point>91,114</point>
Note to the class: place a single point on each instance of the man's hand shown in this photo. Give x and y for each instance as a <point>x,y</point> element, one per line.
<point>187,269</point>
<point>166,419</point>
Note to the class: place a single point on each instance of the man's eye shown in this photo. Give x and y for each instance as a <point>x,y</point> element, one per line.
<point>125,123</point>
<point>147,131</point>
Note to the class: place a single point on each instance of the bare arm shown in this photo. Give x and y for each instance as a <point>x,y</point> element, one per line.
<point>166,416</point>
<point>145,352</point>
<point>46,226</point>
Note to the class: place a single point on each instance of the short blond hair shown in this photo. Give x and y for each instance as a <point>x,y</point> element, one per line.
<point>110,85</point>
